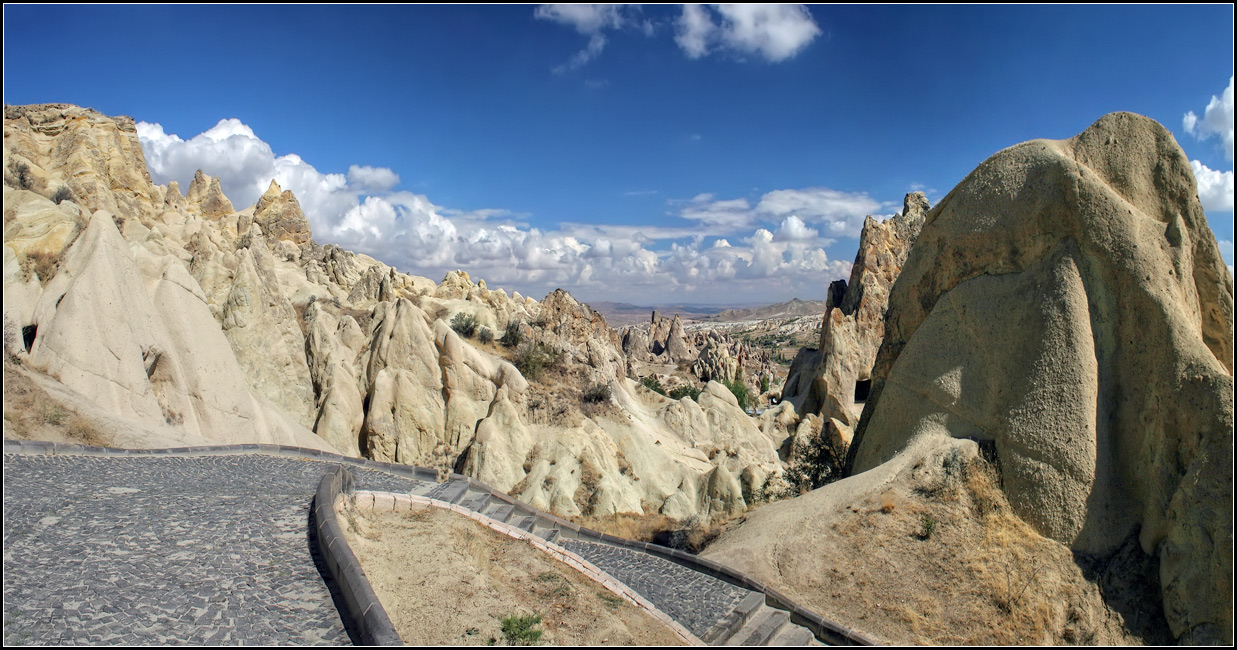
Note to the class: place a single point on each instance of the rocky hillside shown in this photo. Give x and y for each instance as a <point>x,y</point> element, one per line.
<point>182,319</point>
<point>1065,318</point>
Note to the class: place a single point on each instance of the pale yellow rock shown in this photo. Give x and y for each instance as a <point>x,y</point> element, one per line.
<point>280,215</point>
<point>206,197</point>
<point>1067,302</point>
<point>98,158</point>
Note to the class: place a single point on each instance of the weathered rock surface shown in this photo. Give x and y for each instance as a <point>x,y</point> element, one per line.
<point>83,150</point>
<point>206,197</point>
<point>280,216</point>
<point>1068,305</point>
<point>193,321</point>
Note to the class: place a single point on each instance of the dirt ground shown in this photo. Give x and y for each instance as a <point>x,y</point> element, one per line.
<point>31,414</point>
<point>935,556</point>
<point>446,580</point>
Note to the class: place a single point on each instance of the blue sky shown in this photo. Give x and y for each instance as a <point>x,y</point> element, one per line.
<point>649,155</point>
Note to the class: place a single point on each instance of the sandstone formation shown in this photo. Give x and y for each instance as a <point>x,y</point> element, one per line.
<point>280,216</point>
<point>1067,305</point>
<point>206,195</point>
<point>854,322</point>
<point>192,321</point>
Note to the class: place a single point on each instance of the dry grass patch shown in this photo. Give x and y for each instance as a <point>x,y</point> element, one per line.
<point>31,414</point>
<point>446,580</point>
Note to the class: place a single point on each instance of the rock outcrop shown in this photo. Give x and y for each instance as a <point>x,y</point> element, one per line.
<point>90,154</point>
<point>206,197</point>
<point>178,318</point>
<point>1067,305</point>
<point>280,216</point>
<point>830,380</point>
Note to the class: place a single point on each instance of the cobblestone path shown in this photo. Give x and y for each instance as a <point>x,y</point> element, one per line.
<point>697,601</point>
<point>137,550</point>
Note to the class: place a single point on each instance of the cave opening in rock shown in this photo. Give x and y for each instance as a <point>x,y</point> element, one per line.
<point>27,335</point>
<point>861,389</point>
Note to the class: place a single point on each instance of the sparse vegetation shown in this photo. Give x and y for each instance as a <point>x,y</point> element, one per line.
<point>739,389</point>
<point>686,391</point>
<point>464,324</point>
<point>764,384</point>
<point>25,180</point>
<point>519,630</point>
<point>62,194</point>
<point>485,335</point>
<point>813,463</point>
<point>652,383</point>
<point>42,264</point>
<point>927,526</point>
<point>596,394</point>
<point>533,359</point>
<point>511,336</point>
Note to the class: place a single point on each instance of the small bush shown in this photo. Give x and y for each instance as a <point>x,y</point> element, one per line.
<point>62,194</point>
<point>927,526</point>
<point>532,359</point>
<point>464,324</point>
<point>512,337</point>
<point>764,384</point>
<point>686,391</point>
<point>596,393</point>
<point>485,335</point>
<point>518,630</point>
<point>25,180</point>
<point>653,384</point>
<point>739,389</point>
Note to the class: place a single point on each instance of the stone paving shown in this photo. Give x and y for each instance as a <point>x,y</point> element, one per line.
<point>696,600</point>
<point>160,550</point>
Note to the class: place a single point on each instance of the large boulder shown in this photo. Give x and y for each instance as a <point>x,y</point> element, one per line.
<point>1066,305</point>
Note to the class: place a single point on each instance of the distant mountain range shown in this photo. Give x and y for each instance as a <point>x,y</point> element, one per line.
<point>619,314</point>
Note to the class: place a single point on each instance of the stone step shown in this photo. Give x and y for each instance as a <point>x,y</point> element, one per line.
<point>476,501</point>
<point>524,523</point>
<point>761,627</point>
<point>500,512</point>
<point>793,635</point>
<point>728,626</point>
<point>454,492</point>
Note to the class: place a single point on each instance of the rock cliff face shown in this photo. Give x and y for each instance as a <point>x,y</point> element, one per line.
<point>195,321</point>
<point>1067,305</point>
<point>829,380</point>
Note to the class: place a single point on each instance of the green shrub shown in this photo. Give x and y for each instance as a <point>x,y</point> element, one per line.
<point>739,389</point>
<point>62,194</point>
<point>532,359</point>
<point>596,393</point>
<point>518,630</point>
<point>25,180</point>
<point>653,384</point>
<point>686,391</point>
<point>485,335</point>
<point>512,337</point>
<point>464,324</point>
<point>764,384</point>
<point>927,526</point>
<point>814,463</point>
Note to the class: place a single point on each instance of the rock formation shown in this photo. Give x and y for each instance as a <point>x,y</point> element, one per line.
<point>830,380</point>
<point>1067,305</point>
<point>280,216</point>
<point>182,319</point>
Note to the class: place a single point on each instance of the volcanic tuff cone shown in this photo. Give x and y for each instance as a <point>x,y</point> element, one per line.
<point>1066,307</point>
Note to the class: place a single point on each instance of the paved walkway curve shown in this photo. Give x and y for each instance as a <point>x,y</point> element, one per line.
<point>151,547</point>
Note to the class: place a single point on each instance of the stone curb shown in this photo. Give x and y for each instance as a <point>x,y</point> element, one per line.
<point>362,609</point>
<point>405,503</point>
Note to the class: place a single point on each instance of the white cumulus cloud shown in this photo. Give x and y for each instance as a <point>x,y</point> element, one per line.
<point>1215,188</point>
<point>774,32</point>
<point>775,247</point>
<point>1217,120</point>
<point>372,179</point>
